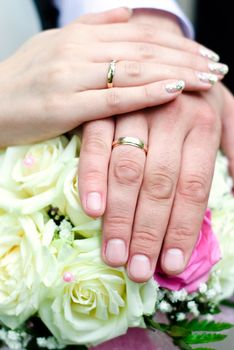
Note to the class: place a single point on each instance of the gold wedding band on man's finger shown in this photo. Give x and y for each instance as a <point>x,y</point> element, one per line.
<point>130,141</point>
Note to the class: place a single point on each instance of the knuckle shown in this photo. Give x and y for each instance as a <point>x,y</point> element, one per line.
<point>95,145</point>
<point>113,99</point>
<point>128,171</point>
<point>147,32</point>
<point>117,224</point>
<point>194,189</point>
<point>179,235</point>
<point>146,241</point>
<point>146,51</point>
<point>148,94</point>
<point>132,69</point>
<point>94,175</point>
<point>159,185</point>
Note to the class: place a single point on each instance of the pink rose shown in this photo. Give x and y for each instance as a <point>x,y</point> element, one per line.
<point>205,255</point>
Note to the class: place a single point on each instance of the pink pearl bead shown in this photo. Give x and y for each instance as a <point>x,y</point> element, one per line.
<point>29,161</point>
<point>68,277</point>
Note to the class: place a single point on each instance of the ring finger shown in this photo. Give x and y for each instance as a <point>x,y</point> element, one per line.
<point>125,178</point>
<point>135,73</point>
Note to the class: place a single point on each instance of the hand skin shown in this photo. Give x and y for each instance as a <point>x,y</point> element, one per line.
<point>155,204</point>
<point>58,79</point>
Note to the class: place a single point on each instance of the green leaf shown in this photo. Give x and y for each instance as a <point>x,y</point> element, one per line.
<point>182,345</point>
<point>150,323</point>
<point>228,303</point>
<point>204,338</point>
<point>208,326</point>
<point>203,349</point>
<point>178,332</point>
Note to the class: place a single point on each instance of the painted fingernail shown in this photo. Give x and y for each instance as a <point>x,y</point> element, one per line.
<point>174,260</point>
<point>140,267</point>
<point>94,201</point>
<point>211,55</point>
<point>207,78</point>
<point>116,252</point>
<point>176,86</point>
<point>218,68</point>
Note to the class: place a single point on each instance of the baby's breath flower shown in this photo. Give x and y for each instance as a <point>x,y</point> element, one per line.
<point>180,295</point>
<point>180,316</point>
<point>164,306</point>
<point>49,343</point>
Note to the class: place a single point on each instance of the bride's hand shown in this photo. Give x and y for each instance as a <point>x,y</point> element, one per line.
<point>58,79</point>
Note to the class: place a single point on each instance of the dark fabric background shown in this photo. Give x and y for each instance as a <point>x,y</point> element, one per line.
<point>215,29</point>
<point>47,12</point>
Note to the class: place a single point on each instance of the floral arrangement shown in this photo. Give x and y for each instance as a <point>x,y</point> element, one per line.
<point>55,291</point>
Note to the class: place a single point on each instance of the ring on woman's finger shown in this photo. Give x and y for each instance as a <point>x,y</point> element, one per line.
<point>111,74</point>
<point>130,141</point>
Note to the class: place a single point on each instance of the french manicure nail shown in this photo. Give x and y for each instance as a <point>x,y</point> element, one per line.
<point>218,68</point>
<point>94,201</point>
<point>116,252</point>
<point>211,55</point>
<point>174,260</point>
<point>176,86</point>
<point>207,78</point>
<point>140,267</point>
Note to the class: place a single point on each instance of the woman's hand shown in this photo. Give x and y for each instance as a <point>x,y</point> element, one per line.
<point>58,79</point>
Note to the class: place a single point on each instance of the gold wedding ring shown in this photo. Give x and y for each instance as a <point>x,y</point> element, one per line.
<point>111,74</point>
<point>130,141</point>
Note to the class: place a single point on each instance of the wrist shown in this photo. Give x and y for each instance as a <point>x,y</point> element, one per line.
<point>161,19</point>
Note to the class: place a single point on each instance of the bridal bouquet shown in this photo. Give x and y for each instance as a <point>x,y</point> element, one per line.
<point>55,291</point>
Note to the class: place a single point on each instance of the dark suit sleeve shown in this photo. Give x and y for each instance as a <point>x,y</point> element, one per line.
<point>48,13</point>
<point>215,28</point>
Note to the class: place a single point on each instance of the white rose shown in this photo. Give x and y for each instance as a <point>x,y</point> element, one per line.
<point>222,183</point>
<point>69,204</point>
<point>223,226</point>
<point>97,302</point>
<point>24,264</point>
<point>29,174</point>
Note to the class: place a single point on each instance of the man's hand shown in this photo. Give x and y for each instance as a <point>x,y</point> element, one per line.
<point>159,200</point>
<point>155,204</point>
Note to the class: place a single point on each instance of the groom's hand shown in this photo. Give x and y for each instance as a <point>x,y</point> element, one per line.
<point>154,203</point>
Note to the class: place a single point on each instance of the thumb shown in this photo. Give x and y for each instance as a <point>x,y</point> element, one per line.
<point>227,140</point>
<point>121,14</point>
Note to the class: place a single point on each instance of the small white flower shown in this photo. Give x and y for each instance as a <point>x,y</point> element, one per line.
<point>65,231</point>
<point>180,316</point>
<point>211,294</point>
<point>165,307</point>
<point>203,288</point>
<point>180,295</point>
<point>50,343</point>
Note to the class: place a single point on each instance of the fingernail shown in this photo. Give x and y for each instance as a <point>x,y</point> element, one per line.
<point>176,86</point>
<point>140,267</point>
<point>211,55</point>
<point>94,201</point>
<point>207,78</point>
<point>218,68</point>
<point>116,252</point>
<point>174,260</point>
